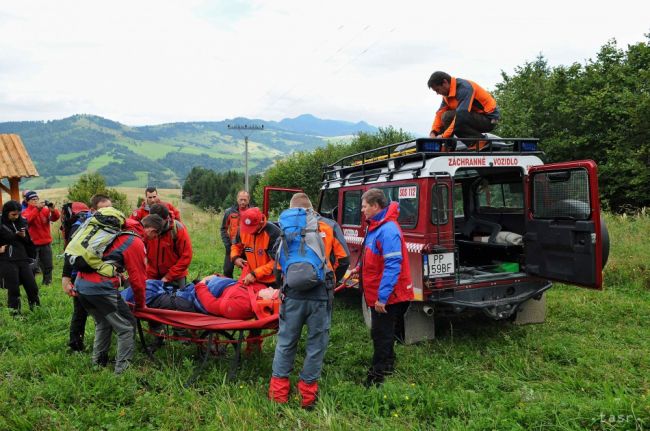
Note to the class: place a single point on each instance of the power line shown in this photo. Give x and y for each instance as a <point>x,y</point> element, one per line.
<point>329,59</point>
<point>244,130</point>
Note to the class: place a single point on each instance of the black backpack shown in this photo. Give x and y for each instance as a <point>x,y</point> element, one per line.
<point>72,213</point>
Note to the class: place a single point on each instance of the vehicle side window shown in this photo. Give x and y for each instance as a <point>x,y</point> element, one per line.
<point>408,197</point>
<point>440,204</point>
<point>500,197</point>
<point>329,203</point>
<point>352,208</point>
<point>563,194</point>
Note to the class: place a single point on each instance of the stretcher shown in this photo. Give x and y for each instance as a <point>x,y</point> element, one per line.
<point>210,334</point>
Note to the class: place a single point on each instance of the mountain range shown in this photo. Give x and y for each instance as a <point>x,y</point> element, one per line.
<point>162,155</point>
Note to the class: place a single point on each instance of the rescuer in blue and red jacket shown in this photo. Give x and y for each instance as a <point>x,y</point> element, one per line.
<point>385,278</point>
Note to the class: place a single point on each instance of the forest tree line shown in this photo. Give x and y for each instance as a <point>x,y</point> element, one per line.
<point>215,190</point>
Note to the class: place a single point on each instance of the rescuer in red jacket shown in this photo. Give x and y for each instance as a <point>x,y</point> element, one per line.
<point>169,248</point>
<point>151,198</point>
<point>39,215</point>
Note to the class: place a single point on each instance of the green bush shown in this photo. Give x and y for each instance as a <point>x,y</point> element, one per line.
<point>92,184</point>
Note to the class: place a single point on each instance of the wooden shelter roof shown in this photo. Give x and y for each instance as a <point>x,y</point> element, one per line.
<point>14,159</point>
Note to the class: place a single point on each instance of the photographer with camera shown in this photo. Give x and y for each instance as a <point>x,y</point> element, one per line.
<point>39,215</point>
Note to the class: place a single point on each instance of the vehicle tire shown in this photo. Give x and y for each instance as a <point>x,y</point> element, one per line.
<point>367,316</point>
<point>604,235</point>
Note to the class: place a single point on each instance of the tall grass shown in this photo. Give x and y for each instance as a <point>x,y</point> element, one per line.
<point>587,367</point>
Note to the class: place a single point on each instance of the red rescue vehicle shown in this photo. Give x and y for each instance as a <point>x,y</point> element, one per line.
<point>485,230</point>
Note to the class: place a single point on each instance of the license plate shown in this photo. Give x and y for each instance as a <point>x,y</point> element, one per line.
<point>439,264</point>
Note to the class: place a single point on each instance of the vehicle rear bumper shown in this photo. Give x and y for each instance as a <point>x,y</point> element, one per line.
<point>498,302</point>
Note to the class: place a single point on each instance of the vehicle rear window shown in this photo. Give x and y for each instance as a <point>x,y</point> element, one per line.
<point>500,197</point>
<point>408,197</point>
<point>563,194</point>
<point>459,208</point>
<point>440,204</point>
<point>352,208</point>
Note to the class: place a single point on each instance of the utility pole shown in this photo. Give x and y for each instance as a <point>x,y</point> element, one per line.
<point>244,130</point>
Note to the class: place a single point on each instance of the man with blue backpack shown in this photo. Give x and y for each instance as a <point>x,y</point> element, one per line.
<point>307,256</point>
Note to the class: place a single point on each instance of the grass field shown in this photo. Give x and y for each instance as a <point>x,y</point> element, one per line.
<point>587,367</point>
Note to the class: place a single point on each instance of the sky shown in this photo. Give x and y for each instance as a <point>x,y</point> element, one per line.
<point>143,62</point>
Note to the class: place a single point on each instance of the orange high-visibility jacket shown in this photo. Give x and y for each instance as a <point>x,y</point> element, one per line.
<point>468,96</point>
<point>258,250</point>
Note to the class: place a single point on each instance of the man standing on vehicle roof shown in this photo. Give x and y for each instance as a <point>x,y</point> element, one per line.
<point>229,227</point>
<point>385,278</point>
<point>467,110</point>
<point>151,198</point>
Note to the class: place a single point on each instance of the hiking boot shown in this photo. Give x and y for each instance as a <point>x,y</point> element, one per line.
<point>374,378</point>
<point>101,360</point>
<point>279,389</point>
<point>35,303</point>
<point>76,346</point>
<point>308,394</point>
<point>122,367</point>
<point>480,144</point>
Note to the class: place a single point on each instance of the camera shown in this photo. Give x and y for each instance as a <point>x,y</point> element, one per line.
<point>48,203</point>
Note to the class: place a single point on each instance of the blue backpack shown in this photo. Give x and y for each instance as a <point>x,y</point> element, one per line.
<point>301,251</point>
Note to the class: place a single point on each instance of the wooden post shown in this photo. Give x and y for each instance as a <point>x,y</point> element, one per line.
<point>14,185</point>
<point>5,189</point>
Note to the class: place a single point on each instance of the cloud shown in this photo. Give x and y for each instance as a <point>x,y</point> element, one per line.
<point>151,61</point>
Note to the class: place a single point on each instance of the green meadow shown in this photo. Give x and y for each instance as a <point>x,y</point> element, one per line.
<point>586,367</point>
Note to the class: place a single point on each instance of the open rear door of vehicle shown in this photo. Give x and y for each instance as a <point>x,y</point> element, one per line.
<point>280,203</point>
<point>563,240</point>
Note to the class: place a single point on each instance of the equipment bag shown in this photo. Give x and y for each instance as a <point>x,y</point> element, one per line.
<point>301,251</point>
<point>72,213</point>
<point>86,248</point>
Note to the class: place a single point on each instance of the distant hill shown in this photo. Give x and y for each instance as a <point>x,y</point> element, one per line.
<point>310,125</point>
<point>163,154</point>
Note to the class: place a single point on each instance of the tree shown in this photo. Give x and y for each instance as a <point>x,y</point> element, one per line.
<point>305,169</point>
<point>595,111</point>
<point>92,184</point>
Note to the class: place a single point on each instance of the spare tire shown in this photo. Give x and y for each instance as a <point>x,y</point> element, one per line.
<point>604,236</point>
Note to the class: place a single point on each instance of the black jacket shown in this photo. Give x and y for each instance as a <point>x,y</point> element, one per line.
<point>18,248</point>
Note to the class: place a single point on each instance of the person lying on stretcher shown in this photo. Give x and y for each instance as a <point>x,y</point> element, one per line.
<point>216,295</point>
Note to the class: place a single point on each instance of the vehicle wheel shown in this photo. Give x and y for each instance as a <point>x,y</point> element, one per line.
<point>604,234</point>
<point>367,316</point>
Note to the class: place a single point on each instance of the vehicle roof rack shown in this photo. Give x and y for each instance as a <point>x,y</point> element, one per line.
<point>365,164</point>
